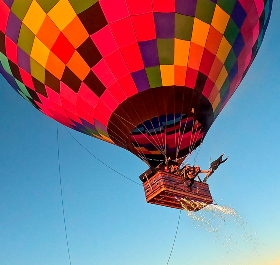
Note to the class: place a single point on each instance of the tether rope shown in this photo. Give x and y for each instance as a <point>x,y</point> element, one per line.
<point>102,161</point>
<point>176,232</point>
<point>174,238</point>
<point>61,194</point>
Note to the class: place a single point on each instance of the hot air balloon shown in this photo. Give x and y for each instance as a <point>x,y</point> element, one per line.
<point>150,76</point>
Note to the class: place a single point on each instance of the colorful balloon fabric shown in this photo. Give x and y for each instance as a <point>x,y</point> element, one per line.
<point>149,76</point>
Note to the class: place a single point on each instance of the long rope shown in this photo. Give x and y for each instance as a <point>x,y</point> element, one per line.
<point>174,238</point>
<point>61,194</point>
<point>115,172</point>
<point>102,161</point>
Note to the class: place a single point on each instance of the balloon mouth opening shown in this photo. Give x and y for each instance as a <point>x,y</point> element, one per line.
<point>172,135</point>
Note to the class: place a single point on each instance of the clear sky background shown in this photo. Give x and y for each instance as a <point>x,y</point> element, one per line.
<point>108,220</point>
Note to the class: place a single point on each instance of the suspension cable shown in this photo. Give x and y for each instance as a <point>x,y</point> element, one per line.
<point>140,132</point>
<point>158,148</point>
<point>61,195</point>
<point>190,140</point>
<point>140,155</point>
<point>195,139</point>
<point>193,93</point>
<point>161,132</point>
<point>158,143</point>
<point>195,158</point>
<point>179,131</point>
<point>181,136</point>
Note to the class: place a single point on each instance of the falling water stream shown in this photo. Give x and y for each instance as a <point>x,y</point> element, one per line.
<point>224,222</point>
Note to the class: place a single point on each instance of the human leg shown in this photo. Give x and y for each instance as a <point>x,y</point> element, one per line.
<point>192,182</point>
<point>207,176</point>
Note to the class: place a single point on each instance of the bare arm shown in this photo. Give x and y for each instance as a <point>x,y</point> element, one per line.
<point>224,160</point>
<point>204,171</point>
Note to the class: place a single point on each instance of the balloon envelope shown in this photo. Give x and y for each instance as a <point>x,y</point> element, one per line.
<point>149,76</point>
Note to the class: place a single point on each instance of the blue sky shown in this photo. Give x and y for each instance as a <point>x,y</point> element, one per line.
<point>108,220</point>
